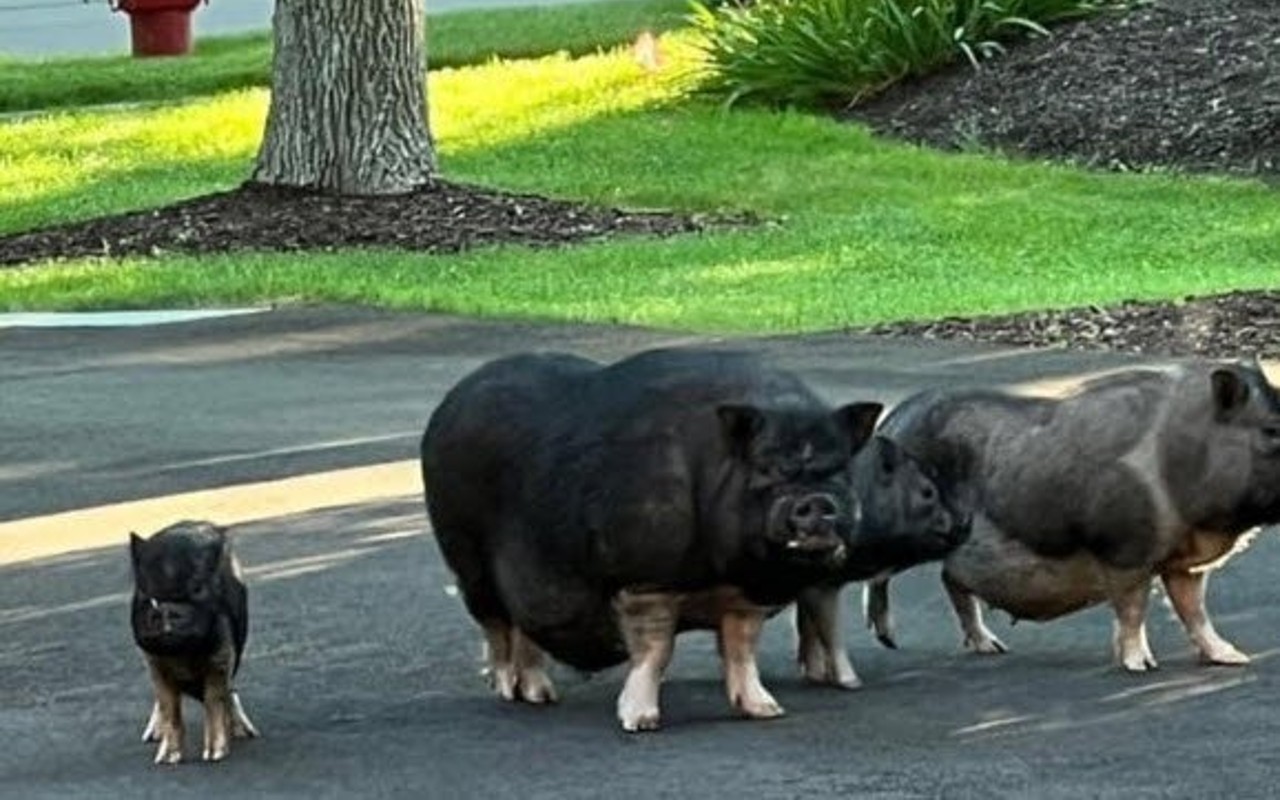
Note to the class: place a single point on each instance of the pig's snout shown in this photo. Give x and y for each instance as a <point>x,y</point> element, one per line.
<point>814,515</point>
<point>813,522</point>
<point>170,618</point>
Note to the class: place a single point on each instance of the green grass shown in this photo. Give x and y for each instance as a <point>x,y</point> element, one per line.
<point>867,230</point>
<point>221,64</point>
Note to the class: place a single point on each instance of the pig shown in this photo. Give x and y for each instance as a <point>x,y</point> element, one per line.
<point>905,518</point>
<point>1087,499</point>
<point>190,618</point>
<point>592,512</point>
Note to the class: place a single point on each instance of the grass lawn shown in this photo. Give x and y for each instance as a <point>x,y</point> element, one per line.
<point>454,39</point>
<point>867,230</point>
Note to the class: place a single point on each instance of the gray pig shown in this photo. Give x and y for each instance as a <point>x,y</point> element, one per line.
<point>1087,499</point>
<point>190,617</point>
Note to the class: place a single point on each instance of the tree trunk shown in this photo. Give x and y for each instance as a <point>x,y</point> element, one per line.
<point>348,98</point>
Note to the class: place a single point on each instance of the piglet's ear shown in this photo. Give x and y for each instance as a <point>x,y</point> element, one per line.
<point>137,545</point>
<point>858,420</point>
<point>740,424</point>
<point>1230,392</point>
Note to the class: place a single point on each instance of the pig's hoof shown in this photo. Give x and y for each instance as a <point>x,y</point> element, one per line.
<point>985,644</point>
<point>637,720</point>
<point>168,753</point>
<point>886,638</point>
<point>764,707</point>
<point>536,687</point>
<point>1139,662</point>
<point>241,726</point>
<point>1225,655</point>
<point>216,752</point>
<point>505,681</point>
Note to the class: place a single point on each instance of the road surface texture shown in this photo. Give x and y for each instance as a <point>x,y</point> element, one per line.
<point>362,667</point>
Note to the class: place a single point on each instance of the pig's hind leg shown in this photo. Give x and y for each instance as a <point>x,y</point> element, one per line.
<point>1186,593</point>
<point>977,636</point>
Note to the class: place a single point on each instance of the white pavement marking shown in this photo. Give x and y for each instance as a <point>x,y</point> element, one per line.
<point>333,444</point>
<point>116,319</point>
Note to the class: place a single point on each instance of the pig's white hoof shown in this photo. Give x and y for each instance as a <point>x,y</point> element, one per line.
<point>635,720</point>
<point>764,707</point>
<point>985,644</point>
<point>536,687</point>
<point>168,752</point>
<point>1138,661</point>
<point>216,752</point>
<point>505,681</point>
<point>1224,654</point>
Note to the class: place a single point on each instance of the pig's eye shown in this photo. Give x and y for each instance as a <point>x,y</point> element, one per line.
<point>928,494</point>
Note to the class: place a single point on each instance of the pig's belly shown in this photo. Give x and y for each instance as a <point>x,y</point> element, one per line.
<point>1010,577</point>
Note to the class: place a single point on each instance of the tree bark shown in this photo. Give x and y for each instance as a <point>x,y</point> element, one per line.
<point>348,108</point>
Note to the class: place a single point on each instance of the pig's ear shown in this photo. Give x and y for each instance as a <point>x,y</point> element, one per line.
<point>137,546</point>
<point>858,420</point>
<point>740,424</point>
<point>1230,392</point>
<point>890,455</point>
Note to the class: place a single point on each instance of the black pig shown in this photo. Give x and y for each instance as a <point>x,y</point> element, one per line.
<point>592,512</point>
<point>190,617</point>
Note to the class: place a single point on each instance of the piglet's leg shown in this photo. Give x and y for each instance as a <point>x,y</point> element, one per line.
<point>821,652</point>
<point>500,661</point>
<point>739,633</point>
<point>534,684</point>
<point>168,710</point>
<point>241,726</point>
<point>217,717</point>
<point>1186,593</point>
<point>648,623</point>
<point>151,733</point>
<point>977,637</point>
<point>1130,640</point>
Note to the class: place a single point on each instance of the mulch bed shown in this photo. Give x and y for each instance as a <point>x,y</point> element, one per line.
<point>446,217</point>
<point>1184,84</point>
<point>1233,325</point>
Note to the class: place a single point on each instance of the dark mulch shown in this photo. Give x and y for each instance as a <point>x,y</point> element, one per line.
<point>447,217</point>
<point>1186,84</point>
<point>1234,325</point>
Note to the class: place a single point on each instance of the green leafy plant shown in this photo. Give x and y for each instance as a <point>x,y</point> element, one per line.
<point>840,52</point>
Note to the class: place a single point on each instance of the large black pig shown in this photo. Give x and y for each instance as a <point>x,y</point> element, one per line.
<point>592,512</point>
<point>1086,499</point>
<point>906,516</point>
<point>190,617</point>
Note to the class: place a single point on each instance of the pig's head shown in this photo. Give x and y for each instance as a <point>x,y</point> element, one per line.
<point>1222,457</point>
<point>795,464</point>
<point>178,585</point>
<point>907,517</point>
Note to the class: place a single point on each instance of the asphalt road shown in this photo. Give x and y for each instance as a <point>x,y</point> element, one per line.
<point>361,669</point>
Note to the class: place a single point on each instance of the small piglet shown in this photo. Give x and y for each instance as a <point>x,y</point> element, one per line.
<point>190,618</point>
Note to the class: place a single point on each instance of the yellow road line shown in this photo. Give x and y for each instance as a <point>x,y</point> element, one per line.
<point>104,526</point>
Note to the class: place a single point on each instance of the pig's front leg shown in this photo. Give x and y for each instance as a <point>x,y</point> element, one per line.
<point>739,632</point>
<point>820,651</point>
<point>648,623</point>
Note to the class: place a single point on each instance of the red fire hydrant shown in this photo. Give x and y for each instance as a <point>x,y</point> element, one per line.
<point>158,27</point>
